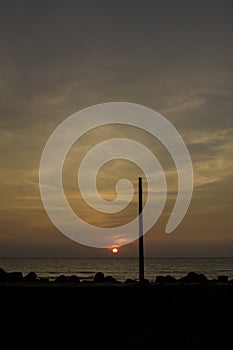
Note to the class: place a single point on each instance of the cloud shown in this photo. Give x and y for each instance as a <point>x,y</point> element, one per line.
<point>211,155</point>
<point>58,60</point>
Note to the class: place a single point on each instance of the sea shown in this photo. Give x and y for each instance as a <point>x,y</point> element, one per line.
<point>119,268</point>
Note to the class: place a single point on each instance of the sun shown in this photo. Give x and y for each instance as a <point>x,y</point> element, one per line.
<point>115,250</point>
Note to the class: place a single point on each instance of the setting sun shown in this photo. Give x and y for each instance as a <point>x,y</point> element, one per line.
<point>115,250</point>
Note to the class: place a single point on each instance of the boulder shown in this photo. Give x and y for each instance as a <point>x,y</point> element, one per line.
<point>44,279</point>
<point>165,279</point>
<point>145,281</point>
<point>193,277</point>
<point>3,275</point>
<point>74,278</point>
<point>110,279</point>
<point>130,281</point>
<point>99,277</point>
<point>14,276</point>
<point>223,279</point>
<point>31,276</point>
<point>2,272</point>
<point>61,278</point>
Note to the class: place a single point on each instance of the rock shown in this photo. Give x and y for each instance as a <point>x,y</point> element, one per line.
<point>223,279</point>
<point>14,276</point>
<point>99,277</point>
<point>44,279</point>
<point>145,281</point>
<point>2,272</point>
<point>165,279</point>
<point>193,277</point>
<point>3,275</point>
<point>31,276</point>
<point>74,278</point>
<point>61,278</point>
<point>110,279</point>
<point>130,281</point>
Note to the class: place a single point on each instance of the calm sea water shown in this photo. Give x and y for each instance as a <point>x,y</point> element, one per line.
<point>119,268</point>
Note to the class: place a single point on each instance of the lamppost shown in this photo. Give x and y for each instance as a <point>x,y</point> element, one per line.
<point>140,224</point>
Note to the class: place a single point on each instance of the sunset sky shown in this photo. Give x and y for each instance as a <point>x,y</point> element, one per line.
<point>58,57</point>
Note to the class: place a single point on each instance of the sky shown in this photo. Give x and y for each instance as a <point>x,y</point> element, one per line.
<point>58,57</point>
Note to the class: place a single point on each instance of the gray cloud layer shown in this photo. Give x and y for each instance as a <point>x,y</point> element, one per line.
<point>58,57</point>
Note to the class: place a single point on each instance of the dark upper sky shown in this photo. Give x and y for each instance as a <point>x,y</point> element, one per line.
<point>57,57</point>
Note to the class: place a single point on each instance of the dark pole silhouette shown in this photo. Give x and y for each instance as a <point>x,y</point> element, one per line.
<point>141,253</point>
